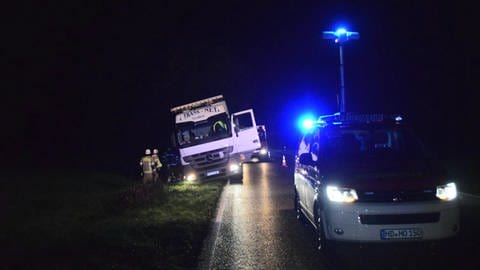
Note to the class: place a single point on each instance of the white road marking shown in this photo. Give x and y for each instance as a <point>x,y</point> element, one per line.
<point>209,245</point>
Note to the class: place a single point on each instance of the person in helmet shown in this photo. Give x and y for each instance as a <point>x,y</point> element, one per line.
<point>157,164</point>
<point>219,127</point>
<point>146,163</point>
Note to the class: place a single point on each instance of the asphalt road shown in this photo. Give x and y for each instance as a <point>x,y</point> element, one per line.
<point>256,228</point>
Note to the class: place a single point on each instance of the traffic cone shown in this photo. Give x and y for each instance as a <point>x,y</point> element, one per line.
<point>284,161</point>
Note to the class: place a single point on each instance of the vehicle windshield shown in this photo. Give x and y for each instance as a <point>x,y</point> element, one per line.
<point>384,148</point>
<point>193,133</point>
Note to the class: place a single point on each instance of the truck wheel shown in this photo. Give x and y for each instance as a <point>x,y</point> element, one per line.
<point>237,178</point>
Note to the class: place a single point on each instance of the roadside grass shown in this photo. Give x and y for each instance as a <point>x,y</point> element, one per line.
<point>466,173</point>
<point>100,220</point>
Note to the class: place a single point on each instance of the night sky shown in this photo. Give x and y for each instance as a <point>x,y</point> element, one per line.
<point>91,84</point>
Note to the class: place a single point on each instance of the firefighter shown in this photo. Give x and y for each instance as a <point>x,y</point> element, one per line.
<point>157,164</point>
<point>147,166</point>
<point>219,126</point>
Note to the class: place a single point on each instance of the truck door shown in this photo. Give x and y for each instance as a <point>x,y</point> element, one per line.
<point>245,131</point>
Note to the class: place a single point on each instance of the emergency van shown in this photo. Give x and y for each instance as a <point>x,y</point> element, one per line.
<point>368,178</point>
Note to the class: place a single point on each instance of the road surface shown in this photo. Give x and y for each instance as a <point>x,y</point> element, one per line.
<point>256,228</point>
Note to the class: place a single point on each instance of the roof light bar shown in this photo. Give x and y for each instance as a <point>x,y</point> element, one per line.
<point>358,118</point>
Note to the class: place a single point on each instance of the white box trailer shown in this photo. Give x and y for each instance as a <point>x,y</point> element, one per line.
<point>211,141</point>
<point>263,153</point>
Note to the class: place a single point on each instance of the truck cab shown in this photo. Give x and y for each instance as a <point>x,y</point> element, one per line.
<point>211,141</point>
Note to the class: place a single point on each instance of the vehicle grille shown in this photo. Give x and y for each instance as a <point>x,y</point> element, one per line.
<point>400,219</point>
<point>210,160</point>
<point>397,196</point>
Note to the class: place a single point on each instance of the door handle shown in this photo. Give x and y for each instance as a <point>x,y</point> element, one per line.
<point>255,141</point>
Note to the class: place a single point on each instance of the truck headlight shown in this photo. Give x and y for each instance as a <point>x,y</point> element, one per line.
<point>263,151</point>
<point>234,167</point>
<point>191,177</point>
<point>447,192</point>
<point>346,195</point>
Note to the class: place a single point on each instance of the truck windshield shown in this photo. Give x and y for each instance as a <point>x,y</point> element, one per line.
<point>193,133</point>
<point>370,148</point>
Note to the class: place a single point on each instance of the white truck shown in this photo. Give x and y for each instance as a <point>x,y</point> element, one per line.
<point>212,142</point>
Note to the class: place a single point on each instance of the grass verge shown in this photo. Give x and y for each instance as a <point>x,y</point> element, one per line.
<point>99,221</point>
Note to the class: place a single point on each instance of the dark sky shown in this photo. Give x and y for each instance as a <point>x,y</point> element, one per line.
<point>92,83</point>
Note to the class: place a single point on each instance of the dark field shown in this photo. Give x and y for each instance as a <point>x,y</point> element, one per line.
<point>100,221</point>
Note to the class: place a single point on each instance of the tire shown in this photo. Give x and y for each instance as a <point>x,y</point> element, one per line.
<point>298,210</point>
<point>444,246</point>
<point>236,178</point>
<point>322,243</point>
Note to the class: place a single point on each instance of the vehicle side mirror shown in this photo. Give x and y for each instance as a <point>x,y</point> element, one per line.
<point>234,125</point>
<point>306,159</point>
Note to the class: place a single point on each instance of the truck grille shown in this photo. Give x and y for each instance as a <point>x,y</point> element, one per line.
<point>397,196</point>
<point>214,159</point>
<point>400,219</point>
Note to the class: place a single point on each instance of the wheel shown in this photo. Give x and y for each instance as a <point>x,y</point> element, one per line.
<point>237,178</point>
<point>298,210</point>
<point>443,247</point>
<point>322,242</point>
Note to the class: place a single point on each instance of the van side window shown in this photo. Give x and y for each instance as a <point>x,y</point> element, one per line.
<point>315,147</point>
<point>304,146</point>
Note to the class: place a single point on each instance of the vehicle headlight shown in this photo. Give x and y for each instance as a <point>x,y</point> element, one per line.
<point>234,167</point>
<point>191,177</point>
<point>263,151</point>
<point>447,192</point>
<point>346,195</point>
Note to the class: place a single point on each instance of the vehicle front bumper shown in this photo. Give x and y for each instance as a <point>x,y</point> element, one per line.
<point>215,172</point>
<point>343,222</point>
<point>261,154</point>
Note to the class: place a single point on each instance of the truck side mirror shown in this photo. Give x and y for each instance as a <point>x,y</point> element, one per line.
<point>236,129</point>
<point>234,125</point>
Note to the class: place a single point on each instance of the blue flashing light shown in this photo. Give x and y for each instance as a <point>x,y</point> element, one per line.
<point>306,123</point>
<point>340,31</point>
<point>340,35</point>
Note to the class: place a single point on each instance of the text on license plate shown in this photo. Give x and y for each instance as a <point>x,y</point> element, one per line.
<point>411,233</point>
<point>210,173</point>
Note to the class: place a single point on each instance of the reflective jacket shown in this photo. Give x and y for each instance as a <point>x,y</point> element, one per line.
<point>147,164</point>
<point>157,164</point>
<point>219,125</point>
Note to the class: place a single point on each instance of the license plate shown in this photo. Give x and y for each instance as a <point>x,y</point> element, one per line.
<point>210,173</point>
<point>411,233</point>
